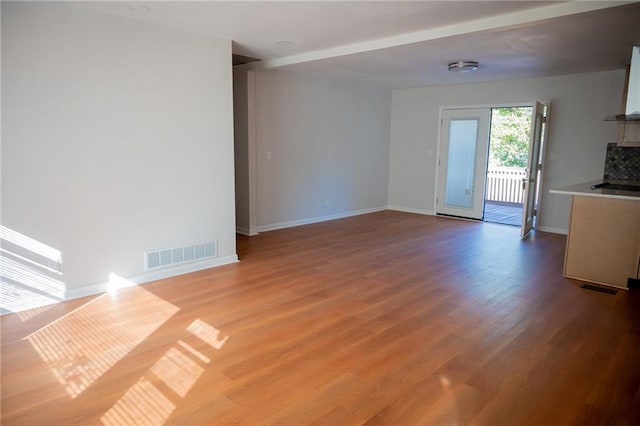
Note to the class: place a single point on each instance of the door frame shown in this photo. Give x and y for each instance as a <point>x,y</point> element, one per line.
<point>494,105</point>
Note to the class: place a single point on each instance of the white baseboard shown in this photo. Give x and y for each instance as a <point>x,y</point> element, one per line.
<point>246,231</point>
<point>552,230</point>
<point>152,276</point>
<point>95,289</point>
<point>549,229</point>
<point>242,231</point>
<point>410,210</point>
<point>300,222</point>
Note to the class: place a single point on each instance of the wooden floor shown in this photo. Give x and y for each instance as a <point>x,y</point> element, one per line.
<point>387,318</point>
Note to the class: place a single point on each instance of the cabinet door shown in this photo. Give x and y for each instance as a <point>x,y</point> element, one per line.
<point>603,240</point>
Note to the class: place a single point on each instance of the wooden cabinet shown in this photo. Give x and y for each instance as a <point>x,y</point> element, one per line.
<point>603,245</point>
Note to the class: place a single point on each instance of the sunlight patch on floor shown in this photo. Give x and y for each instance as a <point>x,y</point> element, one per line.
<point>30,313</point>
<point>207,334</point>
<point>142,404</point>
<point>190,349</point>
<point>83,345</point>
<point>178,369</point>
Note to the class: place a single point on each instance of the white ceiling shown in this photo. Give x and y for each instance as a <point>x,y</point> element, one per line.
<point>404,44</point>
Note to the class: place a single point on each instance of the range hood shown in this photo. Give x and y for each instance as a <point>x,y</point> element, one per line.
<point>631,99</point>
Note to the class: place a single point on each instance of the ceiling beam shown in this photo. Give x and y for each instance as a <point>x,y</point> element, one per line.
<point>484,24</point>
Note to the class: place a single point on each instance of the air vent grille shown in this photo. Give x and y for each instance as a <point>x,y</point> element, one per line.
<point>172,256</point>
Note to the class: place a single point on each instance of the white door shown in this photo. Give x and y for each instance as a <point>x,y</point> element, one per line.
<point>531,181</point>
<point>464,147</point>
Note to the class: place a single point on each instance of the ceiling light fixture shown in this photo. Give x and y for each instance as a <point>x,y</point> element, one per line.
<point>463,66</point>
<point>139,8</point>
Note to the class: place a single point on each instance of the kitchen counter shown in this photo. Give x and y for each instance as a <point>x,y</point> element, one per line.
<point>603,242</point>
<point>584,189</point>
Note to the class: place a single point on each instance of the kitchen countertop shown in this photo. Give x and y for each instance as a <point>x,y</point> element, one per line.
<point>584,189</point>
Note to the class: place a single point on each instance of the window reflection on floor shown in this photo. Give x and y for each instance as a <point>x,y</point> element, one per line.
<point>86,343</point>
<point>178,370</point>
<point>142,404</point>
<point>207,333</point>
<point>83,345</point>
<point>30,313</point>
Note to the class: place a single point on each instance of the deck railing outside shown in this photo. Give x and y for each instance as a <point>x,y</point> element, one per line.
<point>504,184</point>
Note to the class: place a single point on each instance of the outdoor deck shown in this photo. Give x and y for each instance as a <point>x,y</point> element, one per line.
<point>508,214</point>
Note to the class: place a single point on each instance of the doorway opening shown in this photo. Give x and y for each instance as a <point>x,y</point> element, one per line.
<point>463,159</point>
<point>509,148</point>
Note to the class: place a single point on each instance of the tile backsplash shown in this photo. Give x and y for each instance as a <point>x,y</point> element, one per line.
<point>622,162</point>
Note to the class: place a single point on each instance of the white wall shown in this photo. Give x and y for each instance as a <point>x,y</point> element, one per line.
<point>329,145</point>
<point>577,134</point>
<point>117,138</point>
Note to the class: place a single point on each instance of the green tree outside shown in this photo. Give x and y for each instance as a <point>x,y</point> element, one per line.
<point>510,134</point>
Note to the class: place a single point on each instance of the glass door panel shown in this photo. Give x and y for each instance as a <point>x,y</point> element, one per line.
<point>464,143</point>
<point>460,164</point>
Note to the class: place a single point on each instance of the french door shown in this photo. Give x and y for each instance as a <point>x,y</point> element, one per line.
<point>462,166</point>
<point>530,184</point>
